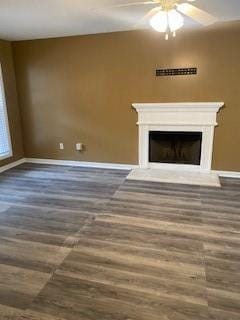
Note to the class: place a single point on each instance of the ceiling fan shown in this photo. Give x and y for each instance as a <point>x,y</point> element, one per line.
<point>168,15</point>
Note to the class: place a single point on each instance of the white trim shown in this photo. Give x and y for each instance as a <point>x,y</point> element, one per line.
<point>185,117</point>
<point>228,174</point>
<point>12,165</point>
<point>181,106</point>
<point>5,111</point>
<point>83,164</point>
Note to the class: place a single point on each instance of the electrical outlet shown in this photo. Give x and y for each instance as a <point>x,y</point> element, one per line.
<point>79,146</point>
<point>61,146</point>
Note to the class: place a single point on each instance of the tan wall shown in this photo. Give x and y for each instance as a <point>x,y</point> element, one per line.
<point>80,89</point>
<point>6,60</point>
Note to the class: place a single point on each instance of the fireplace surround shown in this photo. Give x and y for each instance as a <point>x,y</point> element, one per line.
<point>178,119</point>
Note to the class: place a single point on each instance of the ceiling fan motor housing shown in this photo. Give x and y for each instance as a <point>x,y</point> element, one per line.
<point>168,5</point>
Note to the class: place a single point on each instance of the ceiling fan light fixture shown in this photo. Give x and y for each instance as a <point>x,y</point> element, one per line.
<point>159,22</point>
<point>175,20</point>
<point>165,21</point>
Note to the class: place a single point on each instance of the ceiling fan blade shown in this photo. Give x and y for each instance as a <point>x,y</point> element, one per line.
<point>148,16</point>
<point>196,14</point>
<point>130,4</point>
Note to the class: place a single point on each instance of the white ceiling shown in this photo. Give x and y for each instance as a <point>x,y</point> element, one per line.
<point>33,19</point>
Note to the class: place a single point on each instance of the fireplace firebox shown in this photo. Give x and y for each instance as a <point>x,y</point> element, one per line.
<point>175,147</point>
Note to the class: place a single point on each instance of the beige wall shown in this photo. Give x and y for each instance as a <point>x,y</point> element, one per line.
<point>80,89</point>
<point>6,61</point>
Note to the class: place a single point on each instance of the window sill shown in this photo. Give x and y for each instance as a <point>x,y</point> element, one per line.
<point>4,156</point>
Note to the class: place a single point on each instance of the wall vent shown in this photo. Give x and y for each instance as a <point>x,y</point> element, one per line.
<point>176,72</point>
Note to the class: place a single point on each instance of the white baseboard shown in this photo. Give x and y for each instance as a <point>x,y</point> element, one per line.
<point>228,174</point>
<point>82,164</point>
<point>12,165</point>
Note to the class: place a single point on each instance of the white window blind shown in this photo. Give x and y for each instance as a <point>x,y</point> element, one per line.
<point>5,141</point>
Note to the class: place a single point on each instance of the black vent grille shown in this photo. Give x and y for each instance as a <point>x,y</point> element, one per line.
<point>176,72</point>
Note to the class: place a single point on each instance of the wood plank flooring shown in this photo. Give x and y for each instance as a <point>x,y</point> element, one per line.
<point>86,244</point>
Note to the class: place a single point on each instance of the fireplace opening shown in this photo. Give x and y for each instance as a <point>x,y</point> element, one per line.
<point>175,147</point>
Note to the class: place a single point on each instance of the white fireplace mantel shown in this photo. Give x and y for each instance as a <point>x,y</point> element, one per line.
<point>186,117</point>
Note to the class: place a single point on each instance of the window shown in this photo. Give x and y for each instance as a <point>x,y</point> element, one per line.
<point>5,140</point>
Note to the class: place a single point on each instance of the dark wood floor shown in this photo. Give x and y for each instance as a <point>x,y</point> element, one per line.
<point>85,244</point>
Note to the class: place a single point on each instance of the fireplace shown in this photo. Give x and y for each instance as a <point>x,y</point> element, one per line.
<point>176,136</point>
<point>175,147</point>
